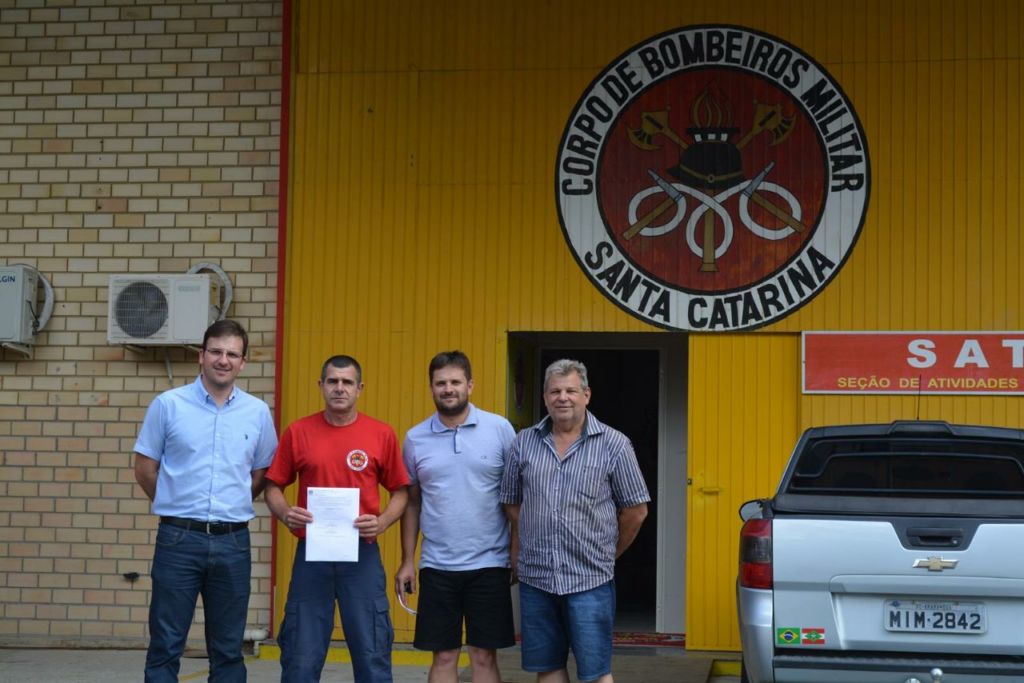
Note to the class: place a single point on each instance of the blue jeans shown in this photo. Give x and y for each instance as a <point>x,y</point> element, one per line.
<point>187,564</point>
<point>308,622</point>
<point>554,623</point>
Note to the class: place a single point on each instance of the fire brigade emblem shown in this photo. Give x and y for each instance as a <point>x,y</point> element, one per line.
<point>712,178</point>
<point>357,460</point>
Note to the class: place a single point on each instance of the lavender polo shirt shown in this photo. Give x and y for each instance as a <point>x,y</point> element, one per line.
<point>458,470</point>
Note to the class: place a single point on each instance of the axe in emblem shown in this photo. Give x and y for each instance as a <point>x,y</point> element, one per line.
<point>768,117</point>
<point>654,123</point>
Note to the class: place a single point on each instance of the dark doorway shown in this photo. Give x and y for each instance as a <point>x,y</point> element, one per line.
<point>624,395</point>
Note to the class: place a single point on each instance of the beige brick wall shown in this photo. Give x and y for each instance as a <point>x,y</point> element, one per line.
<point>135,136</point>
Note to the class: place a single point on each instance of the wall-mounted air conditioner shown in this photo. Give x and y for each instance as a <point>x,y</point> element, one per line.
<point>161,310</point>
<point>18,308</point>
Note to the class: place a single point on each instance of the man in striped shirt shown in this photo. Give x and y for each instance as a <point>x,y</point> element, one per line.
<point>576,497</point>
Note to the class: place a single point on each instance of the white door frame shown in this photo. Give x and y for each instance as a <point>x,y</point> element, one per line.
<point>670,605</point>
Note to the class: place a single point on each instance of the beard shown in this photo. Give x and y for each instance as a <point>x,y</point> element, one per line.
<point>452,410</point>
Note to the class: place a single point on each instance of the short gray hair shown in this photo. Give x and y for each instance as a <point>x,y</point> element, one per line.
<point>564,367</point>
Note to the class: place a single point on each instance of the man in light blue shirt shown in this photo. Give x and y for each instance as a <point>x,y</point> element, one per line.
<point>455,461</point>
<point>201,456</point>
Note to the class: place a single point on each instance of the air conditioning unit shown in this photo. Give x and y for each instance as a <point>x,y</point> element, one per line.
<point>161,310</point>
<point>18,307</point>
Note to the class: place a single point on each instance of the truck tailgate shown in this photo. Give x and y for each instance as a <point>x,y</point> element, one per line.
<point>852,585</point>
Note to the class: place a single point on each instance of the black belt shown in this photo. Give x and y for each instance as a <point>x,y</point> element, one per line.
<point>215,528</point>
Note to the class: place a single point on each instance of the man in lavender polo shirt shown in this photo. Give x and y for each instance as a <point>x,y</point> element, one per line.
<point>200,457</point>
<point>455,460</point>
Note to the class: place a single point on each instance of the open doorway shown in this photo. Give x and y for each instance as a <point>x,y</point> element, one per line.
<point>638,384</point>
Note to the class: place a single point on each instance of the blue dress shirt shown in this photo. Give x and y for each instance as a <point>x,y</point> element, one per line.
<point>207,452</point>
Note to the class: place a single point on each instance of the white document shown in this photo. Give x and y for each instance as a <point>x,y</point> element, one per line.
<point>332,537</point>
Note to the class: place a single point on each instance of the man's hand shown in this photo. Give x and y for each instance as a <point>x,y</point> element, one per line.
<point>291,516</point>
<point>405,578</point>
<point>374,525</point>
<point>369,526</point>
<point>297,518</point>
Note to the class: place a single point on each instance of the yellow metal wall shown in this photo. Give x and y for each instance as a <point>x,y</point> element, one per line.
<point>744,420</point>
<point>422,217</point>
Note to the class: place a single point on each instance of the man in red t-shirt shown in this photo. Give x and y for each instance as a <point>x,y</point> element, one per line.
<point>338,447</point>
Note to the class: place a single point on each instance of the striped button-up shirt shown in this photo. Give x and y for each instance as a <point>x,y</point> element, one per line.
<point>568,519</point>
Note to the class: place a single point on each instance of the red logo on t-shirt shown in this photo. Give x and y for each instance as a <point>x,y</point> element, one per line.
<point>357,460</point>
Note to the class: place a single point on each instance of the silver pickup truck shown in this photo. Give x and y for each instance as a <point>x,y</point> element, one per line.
<point>890,553</point>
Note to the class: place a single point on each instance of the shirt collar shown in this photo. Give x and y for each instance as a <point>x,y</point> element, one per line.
<point>203,396</point>
<point>438,427</point>
<point>591,426</point>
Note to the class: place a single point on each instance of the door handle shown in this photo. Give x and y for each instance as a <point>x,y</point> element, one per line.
<point>935,537</point>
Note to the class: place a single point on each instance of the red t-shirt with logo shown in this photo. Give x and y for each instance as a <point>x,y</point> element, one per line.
<point>361,455</point>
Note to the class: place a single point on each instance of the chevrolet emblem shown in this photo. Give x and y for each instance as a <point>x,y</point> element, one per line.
<point>935,564</point>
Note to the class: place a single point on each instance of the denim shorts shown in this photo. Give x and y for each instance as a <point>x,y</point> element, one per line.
<point>552,624</point>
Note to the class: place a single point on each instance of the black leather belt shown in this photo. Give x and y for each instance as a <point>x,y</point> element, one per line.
<point>215,528</point>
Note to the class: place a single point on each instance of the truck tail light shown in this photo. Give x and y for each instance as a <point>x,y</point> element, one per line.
<point>756,554</point>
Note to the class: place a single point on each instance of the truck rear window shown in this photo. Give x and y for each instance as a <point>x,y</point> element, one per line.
<point>911,467</point>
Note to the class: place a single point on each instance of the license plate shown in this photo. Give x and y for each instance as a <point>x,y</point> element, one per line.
<point>934,616</point>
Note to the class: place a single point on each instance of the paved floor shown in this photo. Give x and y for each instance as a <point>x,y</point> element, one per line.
<point>631,665</point>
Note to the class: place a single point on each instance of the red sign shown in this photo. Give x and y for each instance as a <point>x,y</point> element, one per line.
<point>913,362</point>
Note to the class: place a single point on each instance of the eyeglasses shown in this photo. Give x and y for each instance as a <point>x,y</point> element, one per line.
<point>220,353</point>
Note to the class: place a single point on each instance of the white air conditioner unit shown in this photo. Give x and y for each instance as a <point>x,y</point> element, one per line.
<point>161,310</point>
<point>18,307</point>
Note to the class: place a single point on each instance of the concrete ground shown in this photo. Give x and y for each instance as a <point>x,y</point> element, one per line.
<point>630,665</point>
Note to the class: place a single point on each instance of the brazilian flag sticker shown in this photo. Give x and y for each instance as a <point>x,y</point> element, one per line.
<point>787,636</point>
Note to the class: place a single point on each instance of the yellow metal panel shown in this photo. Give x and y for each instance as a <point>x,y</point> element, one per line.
<point>422,216</point>
<point>743,423</point>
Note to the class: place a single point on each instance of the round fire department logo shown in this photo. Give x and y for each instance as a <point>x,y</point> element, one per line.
<point>357,460</point>
<point>712,178</point>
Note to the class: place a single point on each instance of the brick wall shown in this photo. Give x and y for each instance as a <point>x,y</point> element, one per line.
<point>134,137</point>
